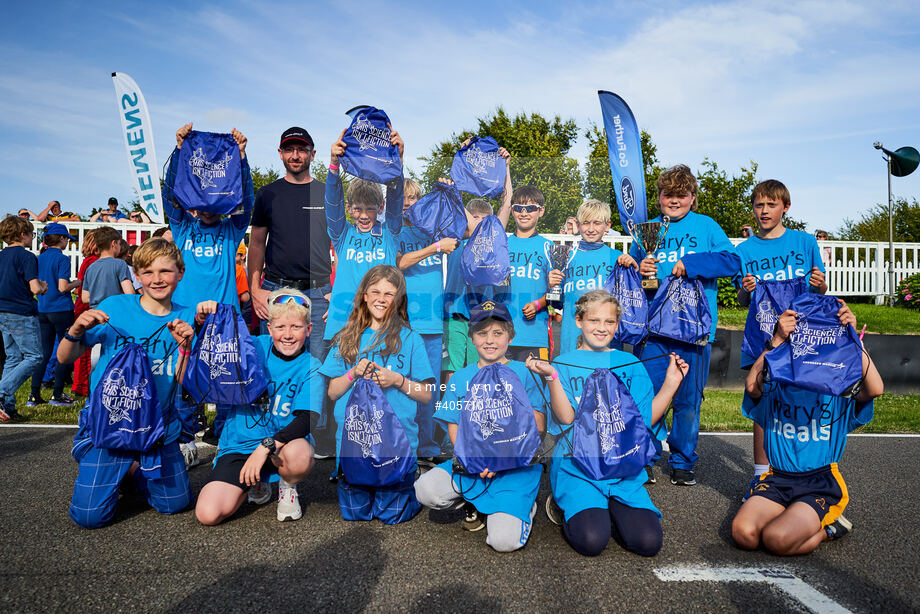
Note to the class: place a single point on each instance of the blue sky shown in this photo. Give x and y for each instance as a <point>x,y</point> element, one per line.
<point>803,90</point>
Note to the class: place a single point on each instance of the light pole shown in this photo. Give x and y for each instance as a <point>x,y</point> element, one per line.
<point>901,163</point>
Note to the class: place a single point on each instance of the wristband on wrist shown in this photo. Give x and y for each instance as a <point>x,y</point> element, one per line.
<point>402,382</point>
<point>536,305</point>
<point>184,352</point>
<point>553,377</point>
<point>73,339</point>
<point>351,377</point>
<point>333,167</point>
<point>437,246</point>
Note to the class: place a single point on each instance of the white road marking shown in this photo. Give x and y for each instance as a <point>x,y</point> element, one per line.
<point>782,579</point>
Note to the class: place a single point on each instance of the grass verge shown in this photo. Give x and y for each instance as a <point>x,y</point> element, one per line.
<point>878,318</point>
<point>721,411</point>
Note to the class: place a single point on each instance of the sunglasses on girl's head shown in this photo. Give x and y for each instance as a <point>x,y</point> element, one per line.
<point>289,298</point>
<point>525,208</point>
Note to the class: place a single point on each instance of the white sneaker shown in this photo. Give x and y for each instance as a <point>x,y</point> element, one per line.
<point>190,454</point>
<point>288,502</point>
<point>261,494</point>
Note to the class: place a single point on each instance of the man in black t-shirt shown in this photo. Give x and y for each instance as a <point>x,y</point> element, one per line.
<point>289,237</point>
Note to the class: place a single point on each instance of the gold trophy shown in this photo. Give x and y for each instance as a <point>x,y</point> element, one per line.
<point>649,236</point>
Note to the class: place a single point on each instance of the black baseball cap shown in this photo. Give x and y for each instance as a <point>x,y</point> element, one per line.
<point>489,309</point>
<point>113,201</point>
<point>296,135</point>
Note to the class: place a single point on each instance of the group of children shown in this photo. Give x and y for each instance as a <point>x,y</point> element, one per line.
<point>409,346</point>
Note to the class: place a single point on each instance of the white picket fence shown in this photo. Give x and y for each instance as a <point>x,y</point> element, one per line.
<point>854,268</point>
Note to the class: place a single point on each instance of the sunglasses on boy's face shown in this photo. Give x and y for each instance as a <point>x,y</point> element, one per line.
<point>289,298</point>
<point>525,208</point>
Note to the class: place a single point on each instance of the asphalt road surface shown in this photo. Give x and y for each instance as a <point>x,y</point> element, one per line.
<point>145,562</point>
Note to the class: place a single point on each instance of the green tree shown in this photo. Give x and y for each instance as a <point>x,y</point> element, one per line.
<point>262,177</point>
<point>873,225</point>
<point>539,148</point>
<point>599,180</point>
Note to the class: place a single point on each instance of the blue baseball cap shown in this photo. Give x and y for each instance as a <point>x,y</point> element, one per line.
<point>58,229</point>
<point>489,309</point>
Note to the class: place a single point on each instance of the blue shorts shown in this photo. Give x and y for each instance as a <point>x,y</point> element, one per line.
<point>823,489</point>
<point>389,504</point>
<point>99,479</point>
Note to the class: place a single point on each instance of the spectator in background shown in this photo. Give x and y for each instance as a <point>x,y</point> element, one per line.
<point>165,232</point>
<point>136,237</point>
<point>747,231</point>
<point>570,227</point>
<point>125,252</point>
<point>109,275</point>
<point>242,287</point>
<point>52,213</point>
<point>827,252</point>
<point>26,214</point>
<point>55,310</point>
<point>109,215</point>
<point>83,366</point>
<point>18,310</point>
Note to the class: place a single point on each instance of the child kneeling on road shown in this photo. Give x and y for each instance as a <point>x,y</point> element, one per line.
<point>254,434</point>
<point>161,327</point>
<point>591,509</point>
<point>799,502</point>
<point>507,497</point>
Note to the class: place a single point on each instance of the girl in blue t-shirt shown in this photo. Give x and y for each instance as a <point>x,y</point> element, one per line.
<point>376,343</point>
<point>592,510</point>
<point>255,434</point>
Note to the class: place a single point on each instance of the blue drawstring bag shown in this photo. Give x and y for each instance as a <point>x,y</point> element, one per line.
<point>821,354</point>
<point>610,437</point>
<point>124,413</point>
<point>209,176</point>
<point>375,450</point>
<point>625,284</point>
<point>439,213</point>
<point>485,260</point>
<point>224,366</point>
<point>680,311</point>
<point>478,169</point>
<point>770,299</point>
<point>368,153</point>
<point>497,429</point>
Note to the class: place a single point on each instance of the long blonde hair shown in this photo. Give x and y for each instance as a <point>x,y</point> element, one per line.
<point>396,317</point>
<point>588,300</point>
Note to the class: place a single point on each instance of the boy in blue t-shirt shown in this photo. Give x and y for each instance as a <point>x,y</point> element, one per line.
<point>164,330</point>
<point>590,263</point>
<point>697,248</point>
<point>208,241</point>
<point>109,275</point>
<point>366,243</point>
<point>798,503</point>
<point>55,310</point>
<point>278,432</point>
<point>530,265</point>
<point>509,497</point>
<point>774,253</point>
<point>422,264</point>
<point>19,283</point>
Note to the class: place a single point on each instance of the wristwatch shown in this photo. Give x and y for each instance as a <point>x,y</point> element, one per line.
<point>269,443</point>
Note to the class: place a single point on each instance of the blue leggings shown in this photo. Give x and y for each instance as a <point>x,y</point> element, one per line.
<point>636,529</point>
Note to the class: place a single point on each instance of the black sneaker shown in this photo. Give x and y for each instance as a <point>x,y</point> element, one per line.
<point>210,436</point>
<point>650,475</point>
<point>35,400</point>
<point>553,511</point>
<point>839,528</point>
<point>62,400</point>
<point>683,477</point>
<point>472,520</point>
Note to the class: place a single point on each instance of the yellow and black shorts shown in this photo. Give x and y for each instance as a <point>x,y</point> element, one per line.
<point>823,489</point>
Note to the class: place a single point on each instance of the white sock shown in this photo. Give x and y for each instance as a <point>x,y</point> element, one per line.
<point>759,470</point>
